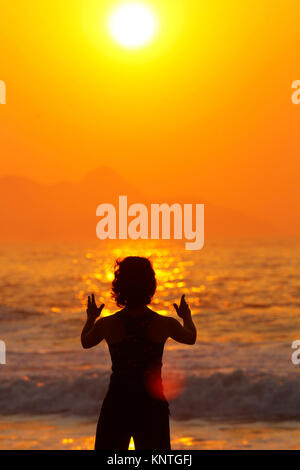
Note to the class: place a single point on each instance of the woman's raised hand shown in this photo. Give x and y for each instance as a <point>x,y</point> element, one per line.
<point>183,310</point>
<point>92,310</point>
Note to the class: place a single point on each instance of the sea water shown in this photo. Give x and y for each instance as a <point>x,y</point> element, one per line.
<point>235,388</point>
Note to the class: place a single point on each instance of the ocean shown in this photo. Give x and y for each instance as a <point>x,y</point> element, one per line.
<point>236,388</point>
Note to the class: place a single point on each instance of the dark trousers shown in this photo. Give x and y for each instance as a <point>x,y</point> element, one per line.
<point>124,415</point>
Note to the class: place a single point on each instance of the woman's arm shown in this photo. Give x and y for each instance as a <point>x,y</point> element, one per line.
<point>93,332</point>
<point>187,333</point>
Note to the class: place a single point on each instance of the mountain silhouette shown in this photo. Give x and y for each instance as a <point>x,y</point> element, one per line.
<point>67,210</point>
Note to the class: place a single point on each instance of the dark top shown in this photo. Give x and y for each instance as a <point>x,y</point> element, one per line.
<point>136,360</point>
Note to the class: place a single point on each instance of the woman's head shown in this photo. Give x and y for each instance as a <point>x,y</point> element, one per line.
<point>134,283</point>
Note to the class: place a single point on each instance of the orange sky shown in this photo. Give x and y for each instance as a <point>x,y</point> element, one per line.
<point>205,109</point>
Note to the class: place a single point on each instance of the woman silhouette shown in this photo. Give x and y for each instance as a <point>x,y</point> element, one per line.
<point>135,404</point>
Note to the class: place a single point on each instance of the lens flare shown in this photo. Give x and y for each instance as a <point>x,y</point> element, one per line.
<point>172,387</point>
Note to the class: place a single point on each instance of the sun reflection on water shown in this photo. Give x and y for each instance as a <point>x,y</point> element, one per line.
<point>170,269</point>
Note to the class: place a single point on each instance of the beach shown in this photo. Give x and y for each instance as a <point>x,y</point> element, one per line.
<point>235,389</point>
<point>66,433</point>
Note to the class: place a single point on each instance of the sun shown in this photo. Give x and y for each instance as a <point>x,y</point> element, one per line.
<point>132,25</point>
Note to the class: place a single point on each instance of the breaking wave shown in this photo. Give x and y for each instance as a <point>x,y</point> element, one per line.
<point>225,396</point>
<point>14,313</point>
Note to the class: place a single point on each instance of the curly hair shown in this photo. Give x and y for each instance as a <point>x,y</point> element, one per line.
<point>134,283</point>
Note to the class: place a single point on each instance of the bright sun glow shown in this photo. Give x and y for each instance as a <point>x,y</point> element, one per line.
<point>132,25</point>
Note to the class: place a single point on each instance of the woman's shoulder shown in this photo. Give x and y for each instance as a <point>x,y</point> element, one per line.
<point>159,317</point>
<point>158,314</point>
<point>113,327</point>
<point>122,314</point>
<point>113,317</point>
<point>159,326</point>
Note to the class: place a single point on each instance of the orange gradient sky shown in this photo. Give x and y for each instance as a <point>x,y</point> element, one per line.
<point>204,109</point>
